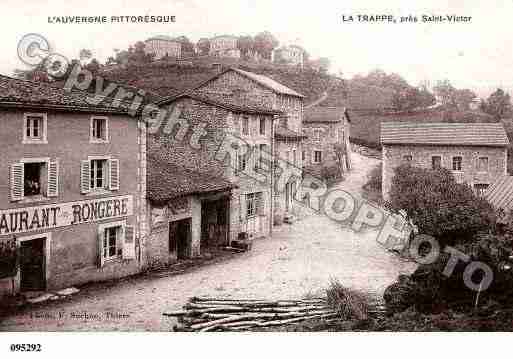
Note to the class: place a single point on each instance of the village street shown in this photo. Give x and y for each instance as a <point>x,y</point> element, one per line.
<point>299,259</point>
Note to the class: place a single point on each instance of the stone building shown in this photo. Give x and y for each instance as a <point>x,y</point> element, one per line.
<point>162,46</point>
<point>251,89</point>
<point>326,129</point>
<point>224,46</point>
<point>220,194</point>
<point>72,188</point>
<point>292,55</point>
<point>476,153</point>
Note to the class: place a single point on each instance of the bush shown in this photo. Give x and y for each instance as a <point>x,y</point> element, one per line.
<point>439,206</point>
<point>348,303</point>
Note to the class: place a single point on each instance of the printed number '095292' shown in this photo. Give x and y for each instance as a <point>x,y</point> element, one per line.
<point>25,347</point>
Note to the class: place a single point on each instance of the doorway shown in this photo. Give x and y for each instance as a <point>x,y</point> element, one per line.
<point>33,264</point>
<point>180,238</point>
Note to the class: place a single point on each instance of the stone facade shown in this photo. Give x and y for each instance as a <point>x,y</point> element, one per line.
<point>72,244</point>
<point>220,125</point>
<point>246,91</point>
<point>323,137</point>
<point>473,171</point>
<point>224,46</point>
<point>162,48</point>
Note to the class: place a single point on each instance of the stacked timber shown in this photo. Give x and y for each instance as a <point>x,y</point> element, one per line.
<point>215,314</point>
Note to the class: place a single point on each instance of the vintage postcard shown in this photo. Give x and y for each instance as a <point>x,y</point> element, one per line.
<point>255,166</point>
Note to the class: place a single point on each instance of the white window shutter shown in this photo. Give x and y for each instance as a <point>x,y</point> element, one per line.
<point>53,179</point>
<point>17,178</point>
<point>129,243</point>
<point>101,238</point>
<point>85,177</point>
<point>260,204</point>
<point>242,207</point>
<point>114,175</point>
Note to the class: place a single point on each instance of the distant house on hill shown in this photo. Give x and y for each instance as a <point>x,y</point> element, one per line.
<point>224,46</point>
<point>293,55</point>
<point>324,129</point>
<point>476,153</point>
<point>162,46</point>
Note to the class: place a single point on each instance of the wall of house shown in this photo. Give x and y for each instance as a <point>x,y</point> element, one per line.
<point>73,250</point>
<point>218,124</point>
<point>162,47</point>
<point>330,135</point>
<point>158,252</point>
<point>393,156</point>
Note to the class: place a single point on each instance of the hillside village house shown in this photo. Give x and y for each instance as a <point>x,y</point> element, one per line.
<point>218,199</point>
<point>72,188</point>
<point>293,55</point>
<point>324,129</point>
<point>224,46</point>
<point>476,153</point>
<point>250,89</point>
<point>162,46</point>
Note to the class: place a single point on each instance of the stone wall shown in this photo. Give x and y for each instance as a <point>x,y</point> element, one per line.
<point>393,156</point>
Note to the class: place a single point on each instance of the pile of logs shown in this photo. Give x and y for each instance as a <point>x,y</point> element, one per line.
<point>214,314</point>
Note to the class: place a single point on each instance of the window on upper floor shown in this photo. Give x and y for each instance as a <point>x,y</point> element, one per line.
<point>482,164</point>
<point>436,162</point>
<point>34,128</point>
<point>457,163</point>
<point>99,129</point>
<point>245,125</point>
<point>262,126</point>
<point>99,174</point>
<point>34,179</point>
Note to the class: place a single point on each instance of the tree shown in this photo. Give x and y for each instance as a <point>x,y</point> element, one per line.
<point>203,46</point>
<point>498,104</point>
<point>439,206</point>
<point>265,43</point>
<point>411,98</point>
<point>324,64</point>
<point>93,66</point>
<point>464,98</point>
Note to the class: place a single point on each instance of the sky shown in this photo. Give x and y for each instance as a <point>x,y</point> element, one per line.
<point>477,55</point>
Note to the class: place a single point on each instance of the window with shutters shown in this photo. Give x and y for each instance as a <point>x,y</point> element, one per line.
<point>254,204</point>
<point>34,179</point>
<point>98,175</point>
<point>99,130</point>
<point>436,162</point>
<point>241,162</point>
<point>34,128</point>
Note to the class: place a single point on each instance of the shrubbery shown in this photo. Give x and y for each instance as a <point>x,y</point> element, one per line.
<point>449,211</point>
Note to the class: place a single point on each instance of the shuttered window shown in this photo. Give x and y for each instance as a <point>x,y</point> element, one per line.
<point>34,179</point>
<point>53,179</point>
<point>129,243</point>
<point>17,177</point>
<point>99,175</point>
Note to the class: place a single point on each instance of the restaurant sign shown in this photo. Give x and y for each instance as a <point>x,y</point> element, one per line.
<point>21,220</point>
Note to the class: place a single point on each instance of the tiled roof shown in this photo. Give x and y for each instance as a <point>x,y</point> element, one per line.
<point>16,93</point>
<point>471,134</point>
<point>500,193</point>
<point>225,102</point>
<point>167,181</point>
<point>268,82</point>
<point>163,37</point>
<point>282,133</point>
<point>324,114</point>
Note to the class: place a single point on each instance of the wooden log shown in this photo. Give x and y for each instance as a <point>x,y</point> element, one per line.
<point>175,313</point>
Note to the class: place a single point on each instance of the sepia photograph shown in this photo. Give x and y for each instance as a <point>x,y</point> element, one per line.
<point>254,167</point>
